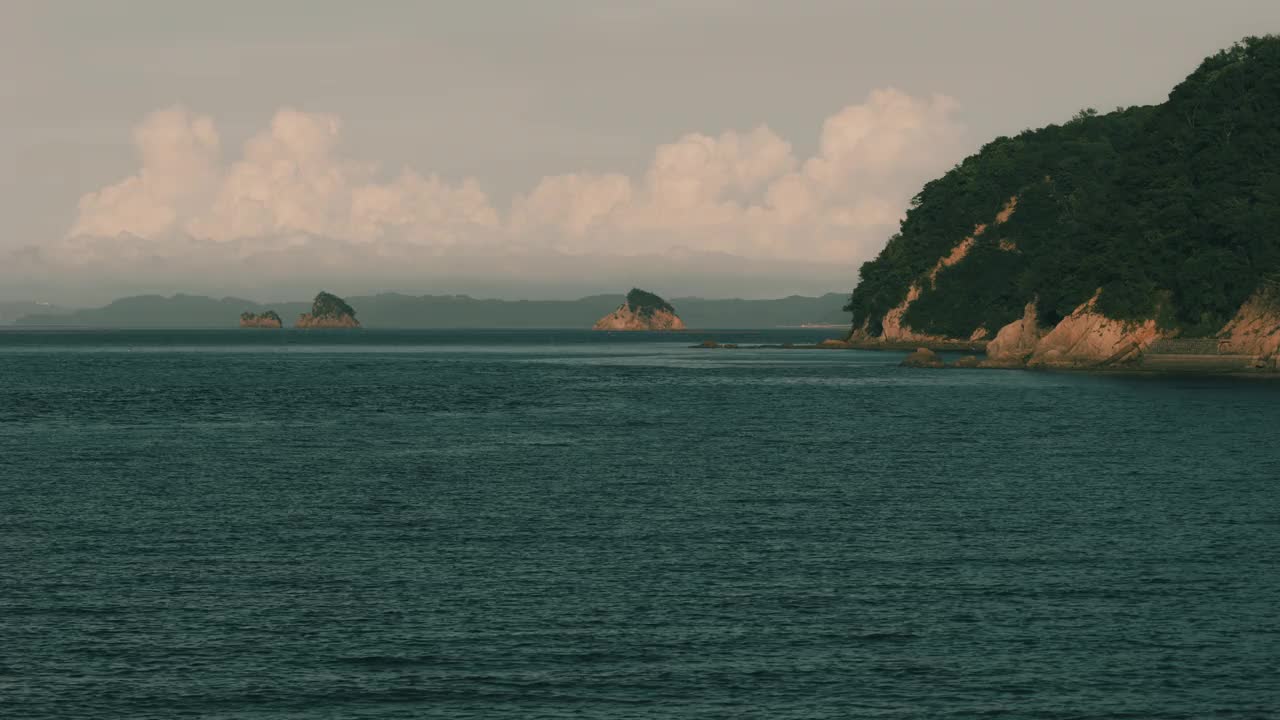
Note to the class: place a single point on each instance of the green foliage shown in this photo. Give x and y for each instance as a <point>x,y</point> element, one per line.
<point>977,288</point>
<point>258,317</point>
<point>1171,208</point>
<point>645,304</point>
<point>328,305</point>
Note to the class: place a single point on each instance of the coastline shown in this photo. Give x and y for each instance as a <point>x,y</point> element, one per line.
<point>1152,364</point>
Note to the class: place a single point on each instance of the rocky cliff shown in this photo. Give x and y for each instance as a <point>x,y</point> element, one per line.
<point>1255,329</point>
<point>268,319</point>
<point>328,311</point>
<point>641,311</point>
<point>1087,338</point>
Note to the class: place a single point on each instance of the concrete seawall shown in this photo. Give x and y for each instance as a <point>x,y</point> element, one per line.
<point>1202,355</point>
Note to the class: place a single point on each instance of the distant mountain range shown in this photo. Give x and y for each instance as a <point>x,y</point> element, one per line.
<point>393,310</point>
<point>11,311</point>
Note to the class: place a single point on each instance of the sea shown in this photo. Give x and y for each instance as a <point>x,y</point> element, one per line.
<point>566,524</point>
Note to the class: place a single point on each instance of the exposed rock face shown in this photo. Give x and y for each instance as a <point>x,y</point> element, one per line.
<point>1255,330</point>
<point>624,319</point>
<point>893,327</point>
<point>1015,342</point>
<point>268,319</point>
<point>1087,338</point>
<point>641,311</point>
<point>860,334</point>
<point>328,311</point>
<point>923,358</point>
<point>895,330</point>
<point>968,361</point>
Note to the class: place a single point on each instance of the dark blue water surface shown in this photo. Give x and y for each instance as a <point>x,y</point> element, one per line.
<point>552,524</point>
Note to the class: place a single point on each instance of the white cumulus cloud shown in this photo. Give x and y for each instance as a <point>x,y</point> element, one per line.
<point>292,197</point>
<point>747,193</point>
<point>289,180</point>
<point>180,155</point>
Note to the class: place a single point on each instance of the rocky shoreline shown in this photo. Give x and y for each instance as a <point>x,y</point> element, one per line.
<point>1169,360</point>
<point>1086,339</point>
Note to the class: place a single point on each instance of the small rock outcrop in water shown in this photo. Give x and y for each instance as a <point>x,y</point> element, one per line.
<point>835,344</point>
<point>1015,342</point>
<point>641,311</point>
<point>923,358</point>
<point>328,311</point>
<point>268,319</point>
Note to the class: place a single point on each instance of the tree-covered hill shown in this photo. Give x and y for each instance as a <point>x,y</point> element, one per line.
<point>1173,210</point>
<point>645,304</point>
<point>330,305</point>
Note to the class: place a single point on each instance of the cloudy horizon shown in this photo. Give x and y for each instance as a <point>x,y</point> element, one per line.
<point>720,149</point>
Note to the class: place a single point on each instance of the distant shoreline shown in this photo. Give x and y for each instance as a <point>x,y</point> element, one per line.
<point>394,310</point>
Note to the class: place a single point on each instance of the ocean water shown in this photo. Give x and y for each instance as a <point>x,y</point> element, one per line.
<point>552,524</point>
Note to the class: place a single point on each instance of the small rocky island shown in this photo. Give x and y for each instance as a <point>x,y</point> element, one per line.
<point>328,311</point>
<point>641,311</point>
<point>268,319</point>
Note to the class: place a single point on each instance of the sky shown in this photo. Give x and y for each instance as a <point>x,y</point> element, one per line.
<point>516,149</point>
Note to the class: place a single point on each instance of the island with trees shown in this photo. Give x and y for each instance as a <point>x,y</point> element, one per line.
<point>641,310</point>
<point>268,319</point>
<point>328,311</point>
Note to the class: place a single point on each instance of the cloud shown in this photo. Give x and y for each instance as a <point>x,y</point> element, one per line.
<point>289,181</point>
<point>293,200</point>
<point>180,155</point>
<point>747,193</point>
